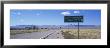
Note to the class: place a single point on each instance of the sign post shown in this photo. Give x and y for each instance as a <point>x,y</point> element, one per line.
<point>70,19</point>
<point>78,30</point>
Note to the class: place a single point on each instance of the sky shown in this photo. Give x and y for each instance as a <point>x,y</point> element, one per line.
<point>52,17</point>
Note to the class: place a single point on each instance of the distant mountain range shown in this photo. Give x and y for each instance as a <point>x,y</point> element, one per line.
<point>57,26</point>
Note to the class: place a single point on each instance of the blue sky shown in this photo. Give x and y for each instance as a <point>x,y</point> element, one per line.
<point>52,17</point>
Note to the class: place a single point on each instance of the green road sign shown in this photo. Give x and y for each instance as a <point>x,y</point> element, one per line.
<point>73,18</point>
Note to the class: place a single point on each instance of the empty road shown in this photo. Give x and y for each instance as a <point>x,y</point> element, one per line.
<point>52,34</point>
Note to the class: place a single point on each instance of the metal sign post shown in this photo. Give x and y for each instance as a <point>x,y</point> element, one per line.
<point>78,30</point>
<point>73,19</point>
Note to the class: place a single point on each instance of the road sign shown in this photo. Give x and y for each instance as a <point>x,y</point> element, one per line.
<point>73,18</point>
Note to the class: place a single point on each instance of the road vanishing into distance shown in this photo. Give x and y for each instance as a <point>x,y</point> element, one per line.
<point>51,34</point>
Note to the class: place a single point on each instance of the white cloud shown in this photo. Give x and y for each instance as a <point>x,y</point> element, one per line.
<point>18,13</point>
<point>76,12</point>
<point>66,13</point>
<point>37,14</point>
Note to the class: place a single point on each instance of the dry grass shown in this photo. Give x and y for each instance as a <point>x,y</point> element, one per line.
<point>13,32</point>
<point>83,33</point>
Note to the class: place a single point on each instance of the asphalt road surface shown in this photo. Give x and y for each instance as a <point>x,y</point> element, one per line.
<point>52,34</point>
